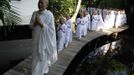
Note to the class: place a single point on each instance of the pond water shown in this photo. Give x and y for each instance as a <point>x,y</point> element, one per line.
<point>115,58</point>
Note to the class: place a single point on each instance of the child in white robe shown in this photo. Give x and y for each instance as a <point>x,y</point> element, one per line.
<point>80,27</point>
<point>124,17</point>
<point>107,21</point>
<point>112,18</point>
<point>61,34</point>
<point>86,22</point>
<point>118,20</point>
<point>100,22</point>
<point>104,13</point>
<point>95,19</point>
<point>68,30</point>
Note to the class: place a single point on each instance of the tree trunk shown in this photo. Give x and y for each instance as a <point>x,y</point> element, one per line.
<point>75,14</point>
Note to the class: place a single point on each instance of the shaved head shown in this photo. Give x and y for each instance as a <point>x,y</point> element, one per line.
<point>43,4</point>
<point>46,1</point>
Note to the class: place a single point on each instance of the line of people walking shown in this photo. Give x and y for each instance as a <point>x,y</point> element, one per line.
<point>93,19</point>
<point>44,42</point>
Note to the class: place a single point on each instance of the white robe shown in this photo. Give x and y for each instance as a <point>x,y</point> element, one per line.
<point>86,21</point>
<point>61,36</point>
<point>95,22</point>
<point>124,18</point>
<point>44,43</point>
<point>104,13</point>
<point>118,20</point>
<point>91,9</point>
<point>80,27</point>
<point>111,20</point>
<point>100,24</point>
<point>69,31</point>
<point>89,22</point>
<point>107,22</point>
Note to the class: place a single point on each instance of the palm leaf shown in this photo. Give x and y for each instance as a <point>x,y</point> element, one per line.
<point>9,14</point>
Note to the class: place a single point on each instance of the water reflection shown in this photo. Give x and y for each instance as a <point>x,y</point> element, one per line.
<point>104,61</point>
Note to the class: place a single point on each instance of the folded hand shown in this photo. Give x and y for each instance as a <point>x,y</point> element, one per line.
<point>38,21</point>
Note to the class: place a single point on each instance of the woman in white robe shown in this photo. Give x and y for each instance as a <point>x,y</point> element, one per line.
<point>44,39</point>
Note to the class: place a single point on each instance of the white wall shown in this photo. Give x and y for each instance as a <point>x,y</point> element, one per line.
<point>25,8</point>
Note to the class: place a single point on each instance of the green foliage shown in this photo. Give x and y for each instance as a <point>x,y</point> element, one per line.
<point>8,13</point>
<point>59,7</point>
<point>105,3</point>
<point>112,3</point>
<point>84,3</point>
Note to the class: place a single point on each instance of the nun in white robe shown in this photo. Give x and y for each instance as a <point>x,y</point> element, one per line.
<point>104,13</point>
<point>100,23</point>
<point>80,27</point>
<point>91,9</point>
<point>112,19</point>
<point>107,21</point>
<point>68,32</point>
<point>85,24</point>
<point>124,17</point>
<point>95,21</point>
<point>44,43</point>
<point>89,22</point>
<point>61,36</point>
<point>118,20</point>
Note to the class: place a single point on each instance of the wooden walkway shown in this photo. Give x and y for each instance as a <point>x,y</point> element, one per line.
<point>64,57</point>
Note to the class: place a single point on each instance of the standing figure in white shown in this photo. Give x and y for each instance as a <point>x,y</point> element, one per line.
<point>44,39</point>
